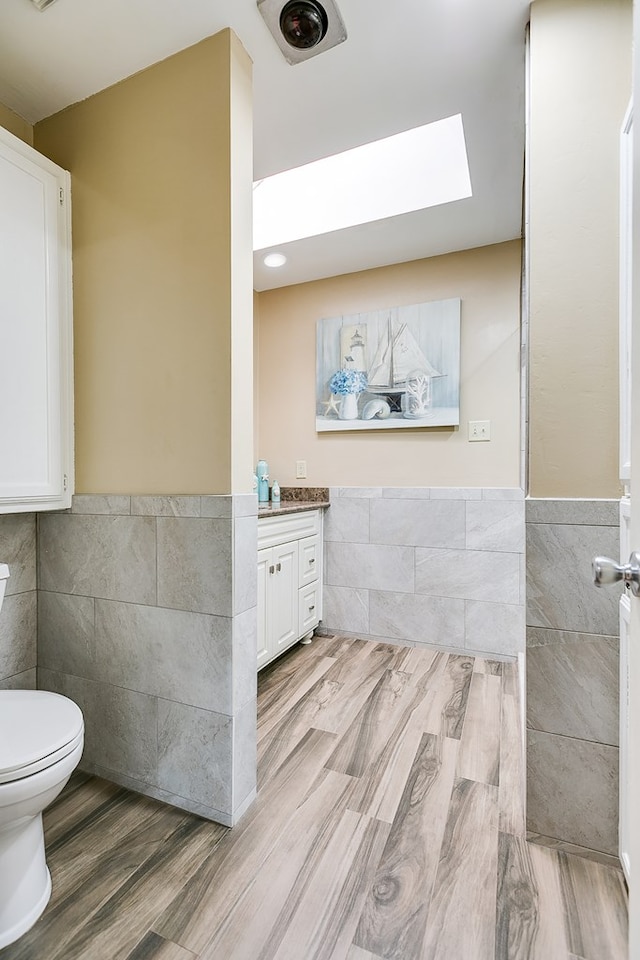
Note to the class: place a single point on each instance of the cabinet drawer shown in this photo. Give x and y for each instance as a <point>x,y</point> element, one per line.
<point>292,526</point>
<point>309,560</point>
<point>308,608</point>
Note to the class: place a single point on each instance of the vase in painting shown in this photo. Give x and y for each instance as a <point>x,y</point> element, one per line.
<point>348,409</point>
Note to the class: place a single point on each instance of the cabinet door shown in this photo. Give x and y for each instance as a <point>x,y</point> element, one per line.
<point>309,609</point>
<point>264,564</point>
<point>283,597</point>
<point>309,560</point>
<point>36,387</point>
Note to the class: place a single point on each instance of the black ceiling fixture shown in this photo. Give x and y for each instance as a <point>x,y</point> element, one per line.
<point>303,28</point>
<point>303,23</point>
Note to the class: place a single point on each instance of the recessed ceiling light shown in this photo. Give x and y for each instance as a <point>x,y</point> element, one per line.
<point>275,260</point>
<point>413,170</point>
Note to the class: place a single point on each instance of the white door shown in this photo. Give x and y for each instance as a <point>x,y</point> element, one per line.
<point>632,788</point>
<point>629,825</point>
<point>626,322</point>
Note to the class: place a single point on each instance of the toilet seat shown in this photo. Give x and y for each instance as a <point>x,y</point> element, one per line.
<point>37,730</point>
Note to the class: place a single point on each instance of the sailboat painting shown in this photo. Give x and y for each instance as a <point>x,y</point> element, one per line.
<point>389,369</point>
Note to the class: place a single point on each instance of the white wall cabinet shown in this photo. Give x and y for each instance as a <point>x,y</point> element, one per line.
<point>36,381</point>
<point>289,580</point>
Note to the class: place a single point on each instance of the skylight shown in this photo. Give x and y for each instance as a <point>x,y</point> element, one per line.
<point>420,168</point>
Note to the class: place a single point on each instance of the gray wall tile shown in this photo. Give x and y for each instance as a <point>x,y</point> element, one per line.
<point>407,493</point>
<point>98,556</point>
<point>468,574</point>
<point>370,566</point>
<point>18,550</point>
<point>345,609</point>
<point>371,492</point>
<point>572,791</point>
<point>590,512</point>
<point>495,525</point>
<point>245,757</point>
<point>195,751</point>
<point>432,620</point>
<point>494,627</point>
<point>145,663</point>
<point>542,636</point>
<point>456,493</point>
<point>572,687</point>
<point>245,654</point>
<point>245,505</point>
<point>18,633</point>
<point>424,523</point>
<point>560,590</point>
<point>120,725</point>
<point>173,654</point>
<point>572,673</point>
<point>20,681</point>
<point>18,620</point>
<point>165,796</point>
<point>66,634</point>
<point>217,508</point>
<point>165,506</point>
<point>101,504</point>
<point>502,493</point>
<point>195,565</point>
<point>436,524</point>
<point>347,520</point>
<point>245,571</point>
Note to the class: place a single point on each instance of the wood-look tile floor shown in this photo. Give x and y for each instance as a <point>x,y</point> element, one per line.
<point>388,824</point>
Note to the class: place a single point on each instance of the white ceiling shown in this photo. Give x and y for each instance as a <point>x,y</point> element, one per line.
<point>404,63</point>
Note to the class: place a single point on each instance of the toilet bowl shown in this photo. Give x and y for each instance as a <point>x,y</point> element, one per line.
<point>41,741</point>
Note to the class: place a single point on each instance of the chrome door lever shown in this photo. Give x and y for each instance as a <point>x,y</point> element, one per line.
<point>606,571</point>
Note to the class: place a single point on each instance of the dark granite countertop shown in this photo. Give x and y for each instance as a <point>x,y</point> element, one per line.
<point>290,506</point>
<point>296,500</point>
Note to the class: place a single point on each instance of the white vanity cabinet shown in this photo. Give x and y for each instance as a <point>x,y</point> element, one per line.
<point>36,384</point>
<point>289,580</point>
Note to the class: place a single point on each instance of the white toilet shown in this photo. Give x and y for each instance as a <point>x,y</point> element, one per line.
<point>41,741</point>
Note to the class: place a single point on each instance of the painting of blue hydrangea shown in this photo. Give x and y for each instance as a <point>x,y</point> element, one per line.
<point>389,369</point>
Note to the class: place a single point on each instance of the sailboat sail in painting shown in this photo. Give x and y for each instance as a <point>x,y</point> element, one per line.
<point>398,358</point>
<point>408,363</point>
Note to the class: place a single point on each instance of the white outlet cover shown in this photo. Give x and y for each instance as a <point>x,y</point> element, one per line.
<point>479,430</point>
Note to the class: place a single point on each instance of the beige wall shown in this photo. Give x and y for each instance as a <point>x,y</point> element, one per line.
<point>157,283</point>
<point>488,281</point>
<point>241,194</point>
<point>580,87</point>
<point>16,125</point>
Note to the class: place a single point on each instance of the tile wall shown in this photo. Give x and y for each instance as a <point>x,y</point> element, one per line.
<point>147,619</point>
<point>572,674</point>
<point>439,566</point>
<point>18,620</point>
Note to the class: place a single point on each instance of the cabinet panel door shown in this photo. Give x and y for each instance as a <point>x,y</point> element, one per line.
<point>309,609</point>
<point>35,330</point>
<point>264,564</point>
<point>309,560</point>
<point>284,596</point>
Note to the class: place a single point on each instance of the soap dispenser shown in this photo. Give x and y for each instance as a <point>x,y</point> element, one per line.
<point>262,473</point>
<point>275,494</point>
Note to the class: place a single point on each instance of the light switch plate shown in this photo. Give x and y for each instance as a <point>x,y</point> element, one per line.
<point>479,430</point>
